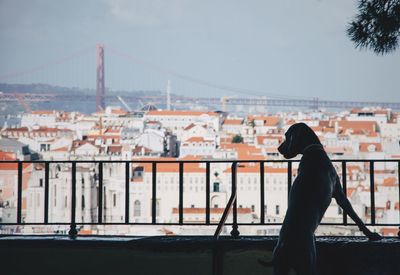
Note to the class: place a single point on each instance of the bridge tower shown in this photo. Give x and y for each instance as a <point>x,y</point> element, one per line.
<point>100,89</point>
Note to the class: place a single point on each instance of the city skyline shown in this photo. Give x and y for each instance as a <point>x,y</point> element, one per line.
<point>305,53</point>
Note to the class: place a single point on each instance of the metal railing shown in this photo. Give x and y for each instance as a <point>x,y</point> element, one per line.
<point>232,203</point>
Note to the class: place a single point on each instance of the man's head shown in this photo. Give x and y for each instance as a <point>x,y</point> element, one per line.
<point>297,137</point>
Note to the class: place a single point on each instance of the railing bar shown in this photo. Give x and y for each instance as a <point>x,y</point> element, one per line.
<point>127,181</point>
<point>191,224</point>
<point>262,198</point>
<point>46,192</point>
<point>181,193</point>
<point>100,198</point>
<point>398,181</point>
<point>372,189</point>
<point>185,161</point>
<point>344,182</point>
<point>19,194</point>
<point>234,232</point>
<point>154,193</point>
<point>72,231</point>
<point>207,192</point>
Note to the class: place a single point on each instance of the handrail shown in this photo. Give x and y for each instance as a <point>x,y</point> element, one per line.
<point>232,200</point>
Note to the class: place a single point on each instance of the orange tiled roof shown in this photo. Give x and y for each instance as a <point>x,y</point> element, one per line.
<point>13,166</point>
<point>43,112</point>
<point>364,146</point>
<point>358,126</point>
<point>268,120</point>
<point>390,182</point>
<point>118,112</point>
<point>7,156</point>
<point>197,139</point>
<point>61,149</point>
<point>233,122</point>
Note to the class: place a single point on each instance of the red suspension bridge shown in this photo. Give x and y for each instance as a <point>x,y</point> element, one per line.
<point>244,97</point>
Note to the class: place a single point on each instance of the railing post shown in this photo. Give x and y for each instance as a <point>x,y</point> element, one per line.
<point>398,180</point>
<point>180,193</point>
<point>46,192</point>
<point>372,190</point>
<point>19,194</point>
<point>100,198</point>
<point>235,232</point>
<point>207,193</point>
<point>127,181</point>
<point>344,182</point>
<point>262,198</point>
<point>154,193</point>
<point>72,231</point>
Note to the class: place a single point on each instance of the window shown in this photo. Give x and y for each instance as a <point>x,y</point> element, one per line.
<point>83,201</point>
<point>115,200</point>
<point>215,205</point>
<point>40,182</point>
<point>253,208</point>
<point>65,201</point>
<point>216,187</point>
<point>136,208</point>
<point>277,209</point>
<point>42,147</point>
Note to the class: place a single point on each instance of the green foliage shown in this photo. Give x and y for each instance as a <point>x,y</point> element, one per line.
<point>237,139</point>
<point>376,26</point>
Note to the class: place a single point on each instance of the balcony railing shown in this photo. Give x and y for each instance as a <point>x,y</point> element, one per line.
<point>232,203</point>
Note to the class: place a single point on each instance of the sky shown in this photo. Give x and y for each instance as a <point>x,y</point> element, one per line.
<point>286,48</point>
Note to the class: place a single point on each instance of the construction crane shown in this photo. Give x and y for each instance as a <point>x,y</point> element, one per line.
<point>21,100</point>
<point>125,104</point>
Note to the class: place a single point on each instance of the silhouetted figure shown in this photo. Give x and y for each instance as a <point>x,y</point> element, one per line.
<point>311,193</point>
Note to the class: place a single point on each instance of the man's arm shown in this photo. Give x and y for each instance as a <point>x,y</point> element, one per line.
<point>345,204</point>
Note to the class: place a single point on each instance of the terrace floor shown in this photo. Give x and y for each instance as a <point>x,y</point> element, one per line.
<point>184,255</point>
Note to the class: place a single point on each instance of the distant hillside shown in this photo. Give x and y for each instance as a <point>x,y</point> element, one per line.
<point>46,88</point>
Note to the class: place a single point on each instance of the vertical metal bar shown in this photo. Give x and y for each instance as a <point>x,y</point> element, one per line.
<point>19,194</point>
<point>344,182</point>
<point>372,190</point>
<point>181,193</point>
<point>207,193</point>
<point>73,232</point>
<point>235,232</point>
<point>46,192</point>
<point>154,193</point>
<point>398,181</point>
<point>127,180</point>
<point>289,176</point>
<point>262,198</point>
<point>100,198</point>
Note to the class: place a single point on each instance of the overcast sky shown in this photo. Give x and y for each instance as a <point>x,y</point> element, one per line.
<point>291,48</point>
